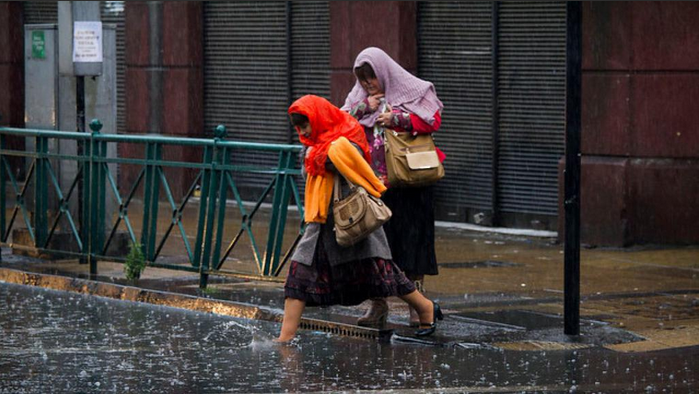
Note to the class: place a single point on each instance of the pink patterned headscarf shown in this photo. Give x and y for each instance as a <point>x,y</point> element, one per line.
<point>402,89</point>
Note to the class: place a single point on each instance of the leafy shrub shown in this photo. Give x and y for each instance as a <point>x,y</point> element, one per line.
<point>135,262</point>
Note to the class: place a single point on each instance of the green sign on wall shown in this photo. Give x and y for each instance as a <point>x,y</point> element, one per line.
<point>38,45</point>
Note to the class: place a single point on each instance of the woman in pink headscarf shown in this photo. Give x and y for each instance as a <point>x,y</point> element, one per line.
<point>413,107</point>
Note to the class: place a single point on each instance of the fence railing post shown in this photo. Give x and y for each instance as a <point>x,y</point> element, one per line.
<point>84,153</point>
<point>151,190</point>
<point>280,206</point>
<point>41,193</point>
<point>224,159</point>
<point>96,198</point>
<point>203,204</point>
<point>3,190</point>
<point>212,188</point>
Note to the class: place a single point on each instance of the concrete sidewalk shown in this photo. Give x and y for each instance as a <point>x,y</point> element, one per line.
<point>497,290</point>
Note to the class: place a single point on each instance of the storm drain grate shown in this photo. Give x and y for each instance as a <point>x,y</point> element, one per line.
<point>479,264</point>
<point>345,329</point>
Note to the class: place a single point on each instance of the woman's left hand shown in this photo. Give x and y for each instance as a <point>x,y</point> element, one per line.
<point>384,119</point>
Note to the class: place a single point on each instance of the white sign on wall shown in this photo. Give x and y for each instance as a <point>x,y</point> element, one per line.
<point>87,42</point>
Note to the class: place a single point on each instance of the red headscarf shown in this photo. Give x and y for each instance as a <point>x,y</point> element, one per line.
<point>328,124</point>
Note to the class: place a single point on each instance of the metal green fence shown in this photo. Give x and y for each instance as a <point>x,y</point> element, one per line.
<point>93,231</point>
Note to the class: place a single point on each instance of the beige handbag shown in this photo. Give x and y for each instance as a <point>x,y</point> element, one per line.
<point>357,215</point>
<point>411,161</point>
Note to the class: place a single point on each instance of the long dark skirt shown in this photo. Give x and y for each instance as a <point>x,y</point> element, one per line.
<point>346,284</point>
<point>410,231</point>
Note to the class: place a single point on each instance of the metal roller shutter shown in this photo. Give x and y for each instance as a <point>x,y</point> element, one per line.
<point>259,56</point>
<point>310,53</point>
<point>245,59</point>
<point>310,49</point>
<point>246,84</point>
<point>38,12</point>
<point>455,55</point>
<point>532,105</point>
<point>524,133</point>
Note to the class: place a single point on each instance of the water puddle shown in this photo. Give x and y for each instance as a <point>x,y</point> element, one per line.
<point>64,342</point>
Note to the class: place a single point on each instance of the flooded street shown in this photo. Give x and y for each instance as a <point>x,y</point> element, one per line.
<point>172,177</point>
<point>53,341</point>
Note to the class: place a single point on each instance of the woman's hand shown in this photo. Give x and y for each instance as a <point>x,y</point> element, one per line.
<point>374,101</point>
<point>385,119</point>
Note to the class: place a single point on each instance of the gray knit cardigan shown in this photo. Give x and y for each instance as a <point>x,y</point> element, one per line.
<point>374,246</point>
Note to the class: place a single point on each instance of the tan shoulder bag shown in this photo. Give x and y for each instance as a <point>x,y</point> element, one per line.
<point>357,215</point>
<point>411,161</point>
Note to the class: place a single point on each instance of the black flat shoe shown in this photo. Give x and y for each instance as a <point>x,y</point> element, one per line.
<point>437,315</point>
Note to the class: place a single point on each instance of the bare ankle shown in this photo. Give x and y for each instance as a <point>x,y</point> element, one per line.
<point>426,311</point>
<point>283,339</point>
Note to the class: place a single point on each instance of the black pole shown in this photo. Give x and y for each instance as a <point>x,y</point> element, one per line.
<point>80,103</point>
<point>495,115</point>
<point>80,128</point>
<point>572,168</point>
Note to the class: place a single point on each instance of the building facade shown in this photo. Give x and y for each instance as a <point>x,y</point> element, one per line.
<point>640,141</point>
<point>499,68</point>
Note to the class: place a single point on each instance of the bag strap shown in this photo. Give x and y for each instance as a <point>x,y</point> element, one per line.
<point>337,189</point>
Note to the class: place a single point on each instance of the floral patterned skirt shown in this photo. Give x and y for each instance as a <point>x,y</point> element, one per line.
<point>350,283</point>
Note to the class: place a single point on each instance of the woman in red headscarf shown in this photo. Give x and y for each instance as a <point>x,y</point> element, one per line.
<point>322,272</point>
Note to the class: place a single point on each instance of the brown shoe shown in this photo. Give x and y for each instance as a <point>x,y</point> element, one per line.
<point>376,315</point>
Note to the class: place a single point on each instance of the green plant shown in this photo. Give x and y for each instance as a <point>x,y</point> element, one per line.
<point>135,262</point>
<point>210,291</point>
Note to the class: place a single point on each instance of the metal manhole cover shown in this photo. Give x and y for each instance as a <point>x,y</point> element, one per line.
<point>525,346</point>
<point>479,264</point>
<point>522,318</point>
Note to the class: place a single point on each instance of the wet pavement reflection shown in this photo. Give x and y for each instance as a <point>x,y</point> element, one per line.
<point>54,341</point>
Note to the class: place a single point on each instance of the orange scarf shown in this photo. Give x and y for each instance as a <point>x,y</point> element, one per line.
<point>329,125</point>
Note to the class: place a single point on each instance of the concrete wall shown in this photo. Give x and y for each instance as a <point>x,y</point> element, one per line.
<point>640,141</point>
